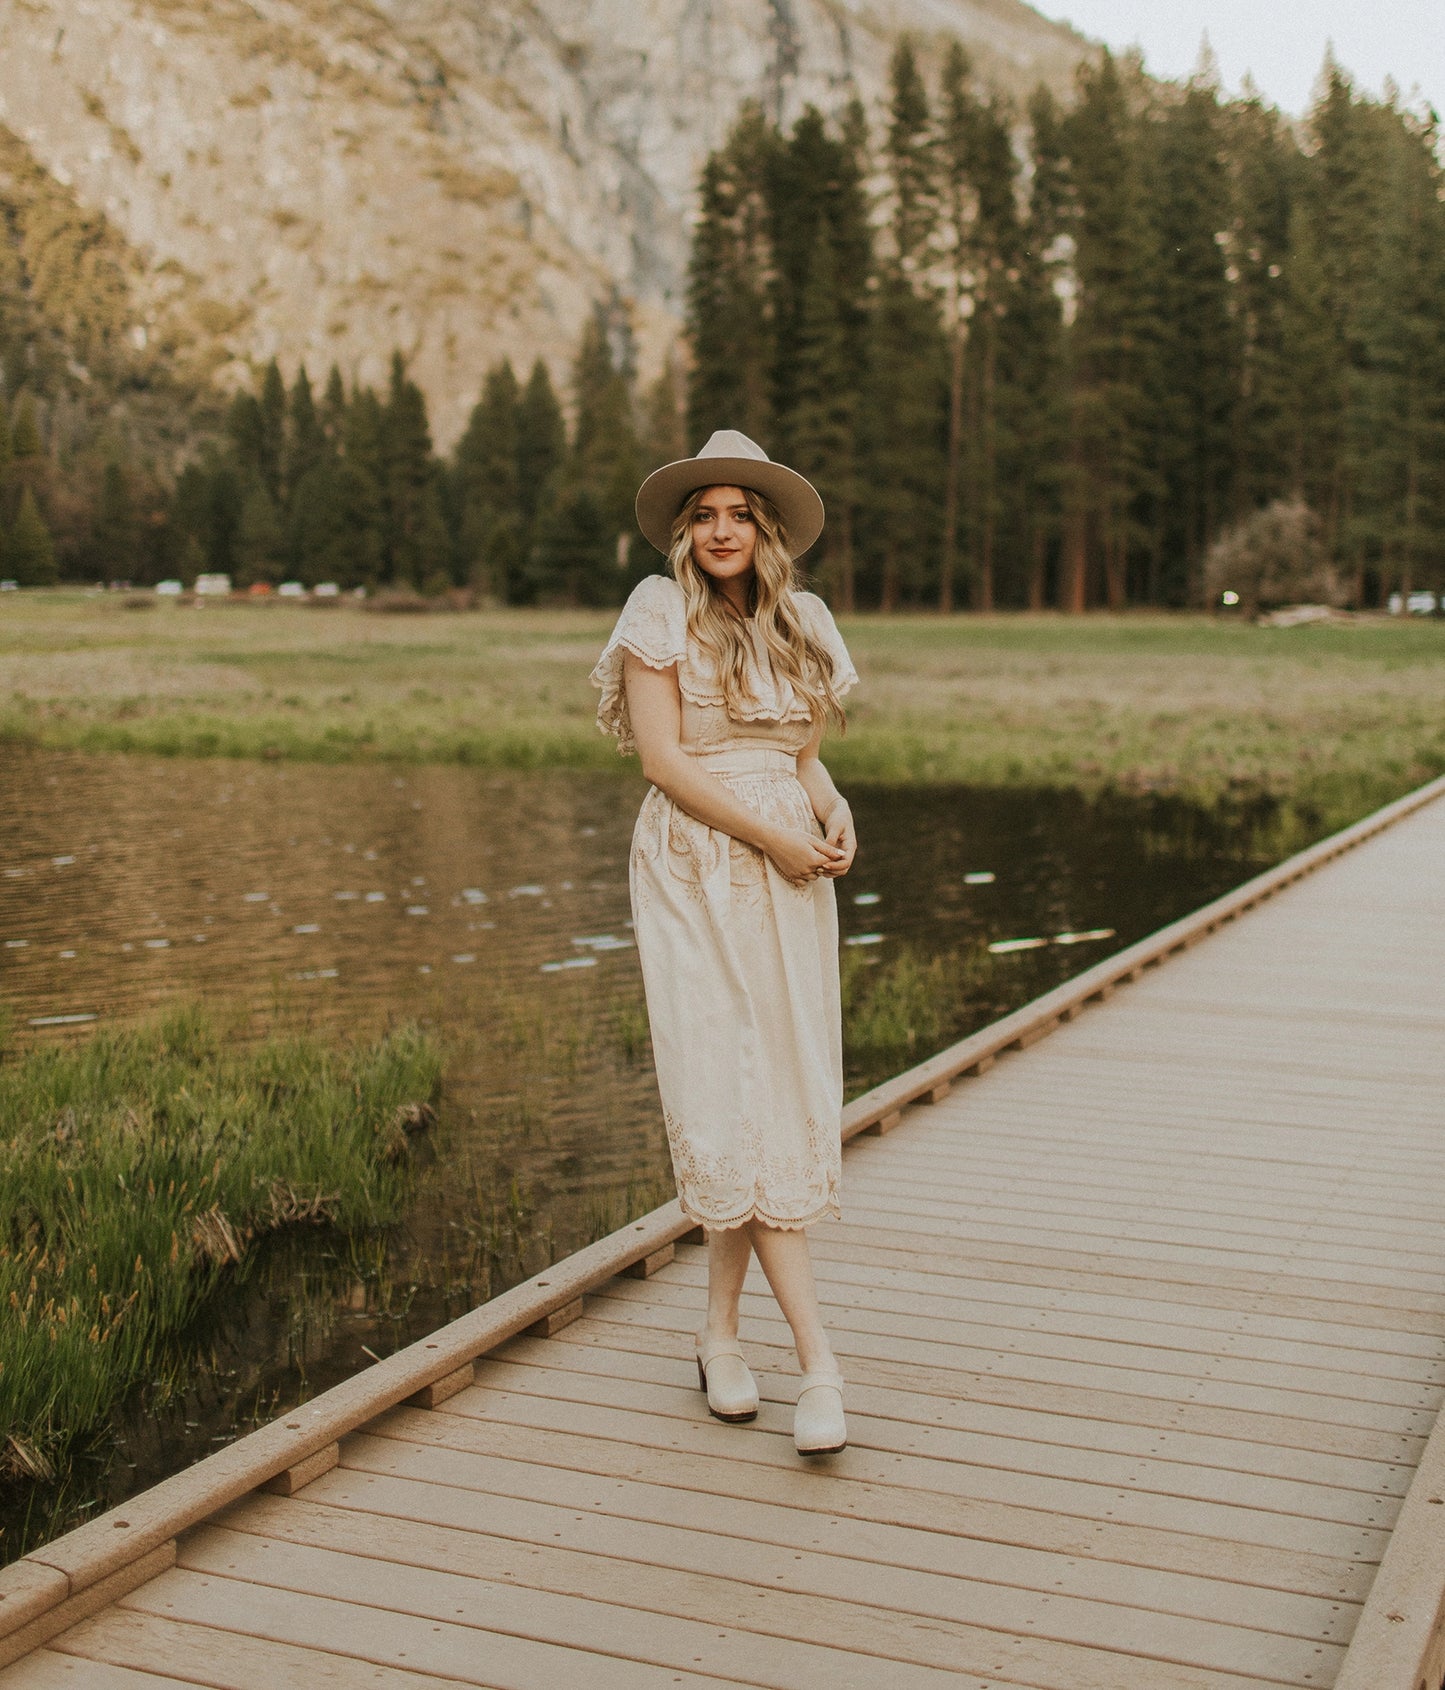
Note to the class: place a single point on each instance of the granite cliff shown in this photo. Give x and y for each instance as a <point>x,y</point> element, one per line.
<point>457,178</point>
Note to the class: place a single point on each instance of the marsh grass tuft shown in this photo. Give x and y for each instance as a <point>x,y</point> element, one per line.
<point>899,1011</point>
<point>136,1169</point>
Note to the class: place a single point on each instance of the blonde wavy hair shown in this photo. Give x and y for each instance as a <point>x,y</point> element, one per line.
<point>713,622</point>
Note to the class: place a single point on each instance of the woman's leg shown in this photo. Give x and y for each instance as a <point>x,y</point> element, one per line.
<point>728,1254</point>
<point>789,1267</point>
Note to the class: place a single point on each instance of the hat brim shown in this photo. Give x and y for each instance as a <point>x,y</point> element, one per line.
<point>663,494</point>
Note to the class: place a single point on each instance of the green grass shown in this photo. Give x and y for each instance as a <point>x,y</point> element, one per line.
<point>140,1167</point>
<point>1336,718</point>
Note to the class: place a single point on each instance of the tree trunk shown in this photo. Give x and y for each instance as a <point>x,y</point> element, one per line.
<point>1074,564</point>
<point>955,470</point>
<point>890,581</point>
<point>1036,571</point>
<point>1114,564</point>
<point>1074,556</point>
<point>989,523</point>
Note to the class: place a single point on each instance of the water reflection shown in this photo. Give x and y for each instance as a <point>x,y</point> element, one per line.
<point>495,907</point>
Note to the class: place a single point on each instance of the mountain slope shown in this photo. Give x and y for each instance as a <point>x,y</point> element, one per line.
<point>459,178</point>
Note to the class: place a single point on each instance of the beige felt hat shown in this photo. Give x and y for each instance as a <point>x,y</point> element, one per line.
<point>730,459</point>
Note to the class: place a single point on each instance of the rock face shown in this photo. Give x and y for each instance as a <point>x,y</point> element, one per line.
<point>457,178</point>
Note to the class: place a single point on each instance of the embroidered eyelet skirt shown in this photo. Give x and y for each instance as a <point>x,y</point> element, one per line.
<point>741,973</point>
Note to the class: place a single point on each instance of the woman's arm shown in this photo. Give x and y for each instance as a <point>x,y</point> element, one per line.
<point>829,806</point>
<point>654,704</point>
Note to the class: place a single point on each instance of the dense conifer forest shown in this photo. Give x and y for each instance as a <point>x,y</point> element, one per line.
<point>1039,358</point>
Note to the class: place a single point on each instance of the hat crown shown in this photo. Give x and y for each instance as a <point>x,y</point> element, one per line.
<point>728,443</point>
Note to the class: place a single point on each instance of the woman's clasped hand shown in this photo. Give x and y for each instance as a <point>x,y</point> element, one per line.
<point>801,857</point>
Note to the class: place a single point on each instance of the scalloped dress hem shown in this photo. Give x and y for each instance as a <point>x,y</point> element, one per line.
<point>831,1210</point>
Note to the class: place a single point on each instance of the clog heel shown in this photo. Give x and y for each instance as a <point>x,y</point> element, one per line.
<point>732,1392</point>
<point>818,1424</point>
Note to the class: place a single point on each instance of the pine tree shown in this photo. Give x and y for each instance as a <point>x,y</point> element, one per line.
<point>1032,358</point>
<point>662,435</point>
<point>913,164</point>
<point>363,480</point>
<point>305,441</point>
<point>319,536</point>
<point>29,553</point>
<point>813,182</point>
<point>605,456</point>
<point>960,216</point>
<point>205,511</point>
<point>246,435</point>
<point>1263,162</point>
<point>486,481</point>
<point>260,542</point>
<point>903,413</point>
<point>1340,191</point>
<point>1112,381</point>
<point>902,439</point>
<point>824,423</point>
<point>416,545</point>
<point>1396,438</point>
<point>26,468</point>
<point>575,552</point>
<point>1196,364</point>
<point>271,432</point>
<point>992,253</point>
<point>604,464</point>
<point>332,411</point>
<point>541,443</point>
<point>728,309</point>
<point>115,534</point>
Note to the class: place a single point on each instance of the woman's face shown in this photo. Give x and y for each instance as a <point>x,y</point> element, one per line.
<point>724,534</point>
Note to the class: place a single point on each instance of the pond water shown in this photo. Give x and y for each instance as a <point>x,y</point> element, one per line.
<point>494,906</point>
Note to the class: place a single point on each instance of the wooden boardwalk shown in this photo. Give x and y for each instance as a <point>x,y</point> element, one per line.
<point>1145,1336</point>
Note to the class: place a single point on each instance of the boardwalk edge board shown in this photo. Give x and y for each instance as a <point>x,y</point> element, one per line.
<point>1399,1639</point>
<point>48,1588</point>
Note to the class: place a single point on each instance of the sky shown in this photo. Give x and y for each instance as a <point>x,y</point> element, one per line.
<point>1280,42</point>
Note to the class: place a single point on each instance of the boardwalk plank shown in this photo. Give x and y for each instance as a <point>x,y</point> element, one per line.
<point>1348,1219</point>
<point>610,1627</point>
<point>153,1647</point>
<point>933,1523</point>
<point>1119,1311</point>
<point>448,1650</point>
<point>752,1657</point>
<point>46,1670</point>
<point>1102,1356</point>
<point>1079,1497</point>
<point>1202,1387</point>
<point>825,1599</point>
<point>929,1248</point>
<point>1017,1456</point>
<point>544,1372</point>
<point>872,1602</point>
<point>601,1346</point>
<point>1001,1273</point>
<point>434,1526</point>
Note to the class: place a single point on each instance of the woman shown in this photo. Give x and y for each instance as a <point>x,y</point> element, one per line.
<point>723,676</point>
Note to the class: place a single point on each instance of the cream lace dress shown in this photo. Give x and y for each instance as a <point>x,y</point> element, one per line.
<point>739,965</point>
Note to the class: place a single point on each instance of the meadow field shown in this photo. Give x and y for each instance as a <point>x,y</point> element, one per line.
<point>1332,719</point>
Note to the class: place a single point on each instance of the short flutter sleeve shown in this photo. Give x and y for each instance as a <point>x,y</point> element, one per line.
<point>653,627</point>
<point>823,629</point>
